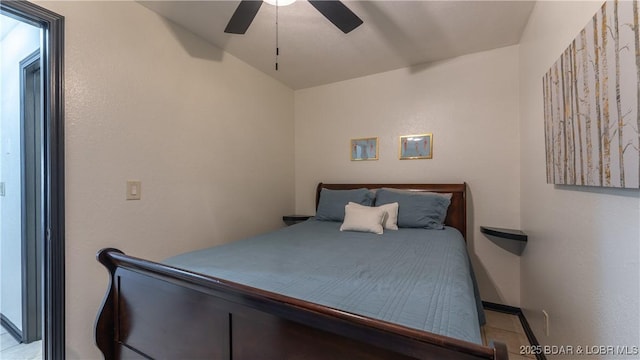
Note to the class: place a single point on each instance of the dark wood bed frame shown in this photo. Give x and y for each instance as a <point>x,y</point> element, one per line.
<point>157,311</point>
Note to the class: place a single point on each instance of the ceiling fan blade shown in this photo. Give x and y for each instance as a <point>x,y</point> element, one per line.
<point>243,16</point>
<point>338,13</point>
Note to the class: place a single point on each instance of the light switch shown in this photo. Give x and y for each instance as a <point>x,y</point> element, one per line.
<point>134,189</point>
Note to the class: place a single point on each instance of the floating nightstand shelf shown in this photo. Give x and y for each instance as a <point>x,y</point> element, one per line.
<point>511,240</point>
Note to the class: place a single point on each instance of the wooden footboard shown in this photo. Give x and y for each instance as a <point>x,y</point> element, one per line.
<point>161,312</point>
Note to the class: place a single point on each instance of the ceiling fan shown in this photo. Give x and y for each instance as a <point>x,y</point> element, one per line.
<point>334,10</point>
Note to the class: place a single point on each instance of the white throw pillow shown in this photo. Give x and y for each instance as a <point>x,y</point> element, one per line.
<point>391,217</point>
<point>363,218</point>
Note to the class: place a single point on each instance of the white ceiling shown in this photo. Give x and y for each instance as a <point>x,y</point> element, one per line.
<point>395,34</point>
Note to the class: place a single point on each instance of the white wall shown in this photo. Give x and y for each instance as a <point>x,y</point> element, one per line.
<point>470,104</point>
<point>581,261</point>
<point>210,138</point>
<point>23,40</point>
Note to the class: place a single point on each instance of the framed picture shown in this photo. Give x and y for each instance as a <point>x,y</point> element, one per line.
<point>416,147</point>
<point>364,149</point>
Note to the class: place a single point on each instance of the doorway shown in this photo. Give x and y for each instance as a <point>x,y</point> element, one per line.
<point>32,177</point>
<point>20,122</point>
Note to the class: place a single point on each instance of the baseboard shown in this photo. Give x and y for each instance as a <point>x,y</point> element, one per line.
<point>523,320</point>
<point>11,328</point>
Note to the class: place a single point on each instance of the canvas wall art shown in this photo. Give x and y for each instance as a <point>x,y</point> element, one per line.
<point>591,98</point>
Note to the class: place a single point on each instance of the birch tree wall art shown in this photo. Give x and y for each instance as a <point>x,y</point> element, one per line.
<point>591,100</point>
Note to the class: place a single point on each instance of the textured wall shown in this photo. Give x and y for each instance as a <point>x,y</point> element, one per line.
<point>210,138</point>
<point>581,262</point>
<point>470,104</point>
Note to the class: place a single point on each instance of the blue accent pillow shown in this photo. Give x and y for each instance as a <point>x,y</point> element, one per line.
<point>419,210</point>
<point>332,202</point>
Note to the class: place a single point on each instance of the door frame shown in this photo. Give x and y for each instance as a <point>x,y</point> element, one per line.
<point>52,73</point>
<point>32,196</point>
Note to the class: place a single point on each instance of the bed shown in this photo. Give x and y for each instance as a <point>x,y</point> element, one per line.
<point>289,295</point>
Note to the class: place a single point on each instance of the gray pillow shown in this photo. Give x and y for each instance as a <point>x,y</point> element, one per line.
<point>332,202</point>
<point>419,210</point>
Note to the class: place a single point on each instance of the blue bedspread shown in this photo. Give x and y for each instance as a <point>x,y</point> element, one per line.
<point>413,277</point>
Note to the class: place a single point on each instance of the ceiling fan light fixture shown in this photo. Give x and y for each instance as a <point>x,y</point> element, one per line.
<point>334,10</point>
<point>280,2</point>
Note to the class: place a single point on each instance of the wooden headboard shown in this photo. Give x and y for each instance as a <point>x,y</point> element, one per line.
<point>456,215</point>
